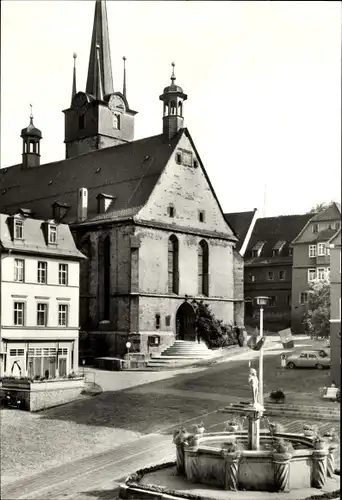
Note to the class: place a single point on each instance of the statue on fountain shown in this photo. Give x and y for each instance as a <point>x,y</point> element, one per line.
<point>254,383</point>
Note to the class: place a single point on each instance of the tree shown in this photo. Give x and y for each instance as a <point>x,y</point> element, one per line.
<point>213,331</point>
<point>316,320</point>
<point>319,207</point>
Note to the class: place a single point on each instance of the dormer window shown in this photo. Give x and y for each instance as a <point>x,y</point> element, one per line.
<point>104,201</point>
<point>276,250</point>
<point>256,250</point>
<point>52,234</point>
<point>18,229</point>
<point>315,228</point>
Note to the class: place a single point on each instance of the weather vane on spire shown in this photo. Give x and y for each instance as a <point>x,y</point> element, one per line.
<point>31,114</point>
<point>173,78</point>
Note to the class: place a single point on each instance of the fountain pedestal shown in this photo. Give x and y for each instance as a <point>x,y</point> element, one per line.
<point>254,413</point>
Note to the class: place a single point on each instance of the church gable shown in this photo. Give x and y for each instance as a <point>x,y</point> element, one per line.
<point>183,196</point>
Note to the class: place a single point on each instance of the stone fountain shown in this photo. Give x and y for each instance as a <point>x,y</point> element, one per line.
<point>238,459</point>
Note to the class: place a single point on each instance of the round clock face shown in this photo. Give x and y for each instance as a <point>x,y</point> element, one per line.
<point>80,103</point>
<point>116,103</point>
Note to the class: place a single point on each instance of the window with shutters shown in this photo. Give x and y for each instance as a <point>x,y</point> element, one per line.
<point>173,264</point>
<point>203,265</point>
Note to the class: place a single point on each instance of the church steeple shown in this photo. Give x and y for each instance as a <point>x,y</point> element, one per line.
<point>99,117</point>
<point>74,91</point>
<point>100,38</point>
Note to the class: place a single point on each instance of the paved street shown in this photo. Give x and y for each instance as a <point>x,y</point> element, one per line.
<point>118,432</point>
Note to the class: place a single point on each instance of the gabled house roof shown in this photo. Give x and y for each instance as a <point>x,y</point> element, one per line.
<point>331,213</point>
<point>241,223</point>
<point>272,230</point>
<point>34,240</point>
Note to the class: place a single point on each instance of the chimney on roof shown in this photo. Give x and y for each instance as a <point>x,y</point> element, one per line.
<point>82,204</point>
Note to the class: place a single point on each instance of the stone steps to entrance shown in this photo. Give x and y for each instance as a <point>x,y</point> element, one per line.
<point>181,352</point>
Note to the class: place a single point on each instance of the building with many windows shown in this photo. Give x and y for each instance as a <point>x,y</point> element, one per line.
<point>335,307</point>
<point>311,258</point>
<point>39,297</point>
<point>143,211</point>
<point>268,269</point>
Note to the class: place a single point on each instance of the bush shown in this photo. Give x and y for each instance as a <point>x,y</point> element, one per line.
<point>232,446</point>
<point>275,428</point>
<point>214,332</point>
<point>277,395</point>
<point>282,446</point>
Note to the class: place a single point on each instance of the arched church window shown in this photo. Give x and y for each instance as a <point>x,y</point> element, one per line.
<point>173,279</point>
<point>203,268</point>
<point>180,109</point>
<point>173,108</point>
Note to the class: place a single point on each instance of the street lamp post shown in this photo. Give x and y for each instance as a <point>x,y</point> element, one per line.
<point>128,346</point>
<point>261,301</point>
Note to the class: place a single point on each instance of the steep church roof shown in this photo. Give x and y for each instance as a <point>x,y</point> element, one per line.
<point>128,172</point>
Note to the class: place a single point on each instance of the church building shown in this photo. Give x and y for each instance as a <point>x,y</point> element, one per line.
<point>143,211</point>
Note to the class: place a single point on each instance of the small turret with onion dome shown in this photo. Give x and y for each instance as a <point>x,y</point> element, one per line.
<point>31,136</point>
<point>173,98</point>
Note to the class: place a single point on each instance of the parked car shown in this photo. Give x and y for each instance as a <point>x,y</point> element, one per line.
<point>308,359</point>
<point>327,344</point>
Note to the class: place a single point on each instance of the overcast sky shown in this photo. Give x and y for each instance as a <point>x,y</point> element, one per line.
<point>263,81</point>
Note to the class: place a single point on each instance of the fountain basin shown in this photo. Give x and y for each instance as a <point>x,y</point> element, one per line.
<point>262,470</point>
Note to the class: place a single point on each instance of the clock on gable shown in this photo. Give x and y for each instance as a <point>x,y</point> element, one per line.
<point>116,103</point>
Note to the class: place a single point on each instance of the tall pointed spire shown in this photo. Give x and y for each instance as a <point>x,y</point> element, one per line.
<point>100,37</point>
<point>98,88</point>
<point>74,91</point>
<point>124,91</point>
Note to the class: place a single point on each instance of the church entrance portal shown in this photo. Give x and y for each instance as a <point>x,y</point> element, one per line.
<point>185,322</point>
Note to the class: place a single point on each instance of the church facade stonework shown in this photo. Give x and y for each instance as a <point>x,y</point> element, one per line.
<point>143,212</point>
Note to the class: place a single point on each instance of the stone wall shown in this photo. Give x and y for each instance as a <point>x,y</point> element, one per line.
<point>46,394</point>
<point>54,393</point>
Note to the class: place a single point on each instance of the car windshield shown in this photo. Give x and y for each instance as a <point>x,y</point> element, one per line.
<point>322,354</point>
